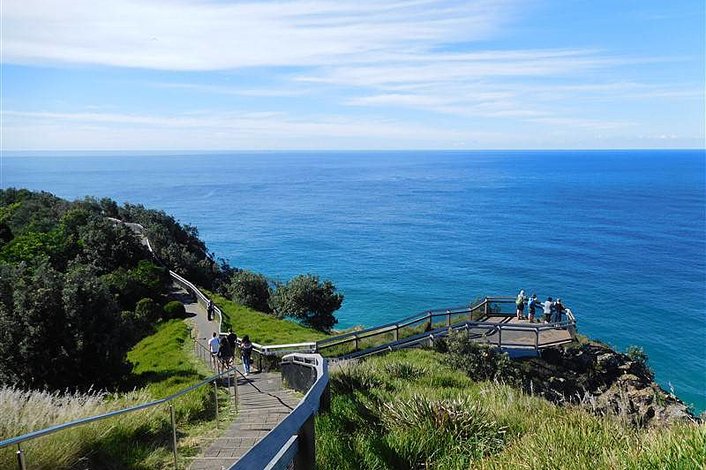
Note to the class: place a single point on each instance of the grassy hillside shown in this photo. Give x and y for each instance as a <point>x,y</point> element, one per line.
<point>262,328</point>
<point>409,410</point>
<point>162,364</point>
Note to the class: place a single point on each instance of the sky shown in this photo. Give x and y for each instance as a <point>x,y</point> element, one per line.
<point>351,74</point>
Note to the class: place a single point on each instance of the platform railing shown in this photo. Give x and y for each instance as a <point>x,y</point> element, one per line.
<point>476,316</point>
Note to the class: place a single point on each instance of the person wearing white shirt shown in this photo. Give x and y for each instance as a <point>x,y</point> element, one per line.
<point>548,305</point>
<point>214,344</point>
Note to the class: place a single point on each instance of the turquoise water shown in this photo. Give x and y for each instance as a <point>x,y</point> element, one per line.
<point>619,235</point>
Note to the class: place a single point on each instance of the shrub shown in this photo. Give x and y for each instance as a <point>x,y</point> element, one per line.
<point>250,289</point>
<point>148,310</point>
<point>479,361</point>
<point>174,309</point>
<point>637,354</point>
<point>309,300</point>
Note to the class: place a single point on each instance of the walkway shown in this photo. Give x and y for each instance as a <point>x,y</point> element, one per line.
<point>262,403</point>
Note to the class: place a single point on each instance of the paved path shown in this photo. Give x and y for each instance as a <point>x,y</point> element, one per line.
<point>262,403</point>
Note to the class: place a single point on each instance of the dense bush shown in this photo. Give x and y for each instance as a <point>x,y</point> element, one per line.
<point>479,361</point>
<point>178,246</point>
<point>250,289</point>
<point>174,309</point>
<point>70,284</point>
<point>308,300</point>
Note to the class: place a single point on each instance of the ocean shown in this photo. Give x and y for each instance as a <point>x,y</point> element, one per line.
<point>620,236</point>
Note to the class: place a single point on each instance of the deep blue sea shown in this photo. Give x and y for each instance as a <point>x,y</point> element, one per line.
<point>619,235</point>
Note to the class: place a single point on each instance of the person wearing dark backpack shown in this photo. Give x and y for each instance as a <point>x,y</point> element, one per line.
<point>558,311</point>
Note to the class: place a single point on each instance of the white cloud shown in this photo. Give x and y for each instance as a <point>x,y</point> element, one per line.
<point>384,58</point>
<point>213,131</point>
<point>211,35</point>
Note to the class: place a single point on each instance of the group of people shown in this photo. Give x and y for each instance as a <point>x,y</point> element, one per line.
<point>223,350</point>
<point>552,309</point>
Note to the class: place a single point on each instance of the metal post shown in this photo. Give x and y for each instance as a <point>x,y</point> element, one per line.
<point>536,339</point>
<point>485,307</point>
<point>20,457</point>
<point>174,436</point>
<point>356,341</point>
<point>215,396</point>
<point>448,318</point>
<point>235,391</point>
<point>306,457</point>
<point>500,336</point>
<point>397,332</point>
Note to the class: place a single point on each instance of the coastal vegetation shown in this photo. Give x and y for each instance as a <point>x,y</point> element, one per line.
<point>78,290</point>
<point>304,298</point>
<point>415,409</point>
<point>162,364</point>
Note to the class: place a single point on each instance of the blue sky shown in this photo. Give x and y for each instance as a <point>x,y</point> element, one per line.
<point>342,74</point>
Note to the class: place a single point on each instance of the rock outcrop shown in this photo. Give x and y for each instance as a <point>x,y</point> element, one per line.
<point>604,381</point>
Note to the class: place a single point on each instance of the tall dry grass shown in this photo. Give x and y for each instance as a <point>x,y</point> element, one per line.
<point>23,411</point>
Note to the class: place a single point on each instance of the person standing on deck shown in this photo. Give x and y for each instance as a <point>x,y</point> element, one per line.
<point>558,311</point>
<point>520,303</point>
<point>548,306</point>
<point>532,306</point>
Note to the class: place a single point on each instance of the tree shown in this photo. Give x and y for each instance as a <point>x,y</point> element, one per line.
<point>108,246</point>
<point>309,300</point>
<point>250,289</point>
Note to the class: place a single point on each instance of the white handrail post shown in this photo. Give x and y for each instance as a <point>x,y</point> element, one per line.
<point>174,435</point>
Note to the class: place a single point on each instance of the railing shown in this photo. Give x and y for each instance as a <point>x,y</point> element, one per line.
<point>434,322</point>
<point>230,373</point>
<point>293,440</point>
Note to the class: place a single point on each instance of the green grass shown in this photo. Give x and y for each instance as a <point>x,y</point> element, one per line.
<point>408,410</point>
<point>261,327</point>
<point>162,365</point>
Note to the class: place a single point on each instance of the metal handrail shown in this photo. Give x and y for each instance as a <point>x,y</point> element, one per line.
<point>404,322</point>
<point>81,421</point>
<point>431,314</point>
<point>278,447</point>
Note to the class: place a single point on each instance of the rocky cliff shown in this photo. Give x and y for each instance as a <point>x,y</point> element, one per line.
<point>595,376</point>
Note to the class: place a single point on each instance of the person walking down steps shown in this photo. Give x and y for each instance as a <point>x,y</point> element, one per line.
<point>246,353</point>
<point>214,345</point>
